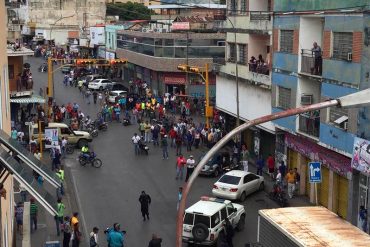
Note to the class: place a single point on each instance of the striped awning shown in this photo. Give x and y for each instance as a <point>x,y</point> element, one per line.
<point>26,100</point>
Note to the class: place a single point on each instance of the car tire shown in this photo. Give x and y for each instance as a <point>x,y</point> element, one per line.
<point>216,173</point>
<point>241,223</point>
<point>100,88</point>
<point>200,232</point>
<point>262,187</point>
<point>82,143</point>
<point>243,196</point>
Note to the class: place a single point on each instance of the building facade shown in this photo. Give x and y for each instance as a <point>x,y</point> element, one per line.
<point>303,74</point>
<point>248,27</point>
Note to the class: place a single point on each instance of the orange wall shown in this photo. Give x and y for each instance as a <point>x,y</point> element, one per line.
<point>17,63</point>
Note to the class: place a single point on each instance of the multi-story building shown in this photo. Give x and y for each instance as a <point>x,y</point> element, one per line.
<point>248,27</point>
<point>57,20</point>
<point>302,75</point>
<point>144,2</point>
<point>155,52</point>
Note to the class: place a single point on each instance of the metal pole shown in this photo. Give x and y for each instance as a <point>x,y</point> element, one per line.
<point>228,137</point>
<point>187,63</point>
<point>207,96</point>
<point>50,77</point>
<point>40,140</point>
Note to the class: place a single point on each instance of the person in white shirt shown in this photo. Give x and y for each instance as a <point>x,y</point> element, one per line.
<point>190,165</point>
<point>64,146</point>
<point>135,140</point>
<point>37,154</point>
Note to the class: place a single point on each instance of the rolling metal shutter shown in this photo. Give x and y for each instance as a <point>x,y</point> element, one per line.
<point>270,236</point>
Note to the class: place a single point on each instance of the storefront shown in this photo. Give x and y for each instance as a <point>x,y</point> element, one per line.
<point>333,191</point>
<point>174,82</point>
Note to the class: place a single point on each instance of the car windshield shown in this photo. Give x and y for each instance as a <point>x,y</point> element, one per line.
<point>113,94</point>
<point>227,179</point>
<point>188,219</point>
<point>96,81</point>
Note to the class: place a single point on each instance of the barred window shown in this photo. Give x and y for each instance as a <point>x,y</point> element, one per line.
<point>233,7</point>
<point>342,45</point>
<point>244,7</point>
<point>232,55</point>
<point>284,99</point>
<point>286,41</point>
<point>243,54</point>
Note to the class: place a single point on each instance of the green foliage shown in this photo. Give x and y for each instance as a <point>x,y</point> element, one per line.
<point>129,11</point>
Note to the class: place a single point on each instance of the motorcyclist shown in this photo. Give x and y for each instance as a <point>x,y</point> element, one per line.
<point>85,152</point>
<point>87,122</point>
<point>115,236</point>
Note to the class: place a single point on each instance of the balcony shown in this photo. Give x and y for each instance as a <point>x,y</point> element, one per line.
<point>309,123</point>
<point>260,16</point>
<point>310,65</point>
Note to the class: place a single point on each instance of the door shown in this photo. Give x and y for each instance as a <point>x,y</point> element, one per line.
<point>292,159</point>
<point>342,197</point>
<point>308,184</point>
<point>231,213</point>
<point>364,184</point>
<point>323,187</point>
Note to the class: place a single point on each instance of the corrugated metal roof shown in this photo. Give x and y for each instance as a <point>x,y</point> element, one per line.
<point>26,100</point>
<point>315,227</point>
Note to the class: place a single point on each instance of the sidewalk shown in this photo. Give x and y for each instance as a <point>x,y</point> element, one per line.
<point>46,226</point>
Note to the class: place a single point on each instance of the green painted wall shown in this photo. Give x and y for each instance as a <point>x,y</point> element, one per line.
<point>299,5</point>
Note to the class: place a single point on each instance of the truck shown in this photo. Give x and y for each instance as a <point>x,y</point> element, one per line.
<point>313,226</point>
<point>78,138</point>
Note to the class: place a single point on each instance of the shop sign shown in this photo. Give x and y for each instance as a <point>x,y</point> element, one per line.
<point>361,155</point>
<point>335,161</point>
<point>51,138</point>
<point>180,26</point>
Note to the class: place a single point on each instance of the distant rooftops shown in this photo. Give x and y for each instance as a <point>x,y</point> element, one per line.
<point>194,19</point>
<point>188,6</point>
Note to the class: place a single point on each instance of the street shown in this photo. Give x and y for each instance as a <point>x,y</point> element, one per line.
<point>110,194</point>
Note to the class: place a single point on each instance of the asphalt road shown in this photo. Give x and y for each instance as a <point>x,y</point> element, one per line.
<point>110,194</point>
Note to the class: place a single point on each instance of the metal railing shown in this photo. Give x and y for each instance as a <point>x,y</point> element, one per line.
<point>308,63</point>
<point>260,16</point>
<point>309,123</point>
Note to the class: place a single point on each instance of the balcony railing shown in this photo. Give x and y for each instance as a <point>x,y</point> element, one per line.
<point>260,16</point>
<point>310,63</point>
<point>309,123</point>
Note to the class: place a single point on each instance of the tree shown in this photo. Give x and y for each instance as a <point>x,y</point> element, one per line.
<point>129,11</point>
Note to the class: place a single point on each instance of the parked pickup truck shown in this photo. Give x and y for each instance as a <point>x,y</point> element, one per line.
<point>79,138</point>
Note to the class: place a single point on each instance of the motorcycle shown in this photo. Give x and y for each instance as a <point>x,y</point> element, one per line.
<point>43,68</point>
<point>100,126</point>
<point>90,127</point>
<point>278,195</point>
<point>143,148</point>
<point>126,122</point>
<point>92,159</point>
<point>70,149</point>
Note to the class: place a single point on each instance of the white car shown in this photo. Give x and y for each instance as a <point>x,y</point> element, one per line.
<point>114,94</point>
<point>204,221</point>
<point>236,185</point>
<point>101,84</point>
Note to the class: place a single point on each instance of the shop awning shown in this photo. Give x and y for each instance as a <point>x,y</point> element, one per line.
<point>27,100</point>
<point>24,177</point>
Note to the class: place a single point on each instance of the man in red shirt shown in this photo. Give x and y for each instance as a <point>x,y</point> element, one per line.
<point>173,135</point>
<point>180,163</point>
<point>271,165</point>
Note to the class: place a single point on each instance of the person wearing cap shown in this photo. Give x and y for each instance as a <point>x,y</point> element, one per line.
<point>164,144</point>
<point>33,214</point>
<point>190,164</point>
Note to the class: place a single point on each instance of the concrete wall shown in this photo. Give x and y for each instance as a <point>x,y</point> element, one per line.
<point>253,101</point>
<point>258,5</point>
<point>285,61</point>
<point>306,86</point>
<point>342,71</point>
<point>336,138</point>
<point>288,123</point>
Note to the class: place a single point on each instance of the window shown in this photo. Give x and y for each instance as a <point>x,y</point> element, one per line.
<point>227,179</point>
<point>232,55</point>
<point>244,7</point>
<point>233,7</point>
<point>230,209</point>
<point>188,219</point>
<point>243,54</point>
<point>339,117</point>
<point>342,45</point>
<point>284,95</point>
<point>201,219</point>
<point>223,214</point>
<point>286,41</point>
<point>215,219</point>
<point>65,131</point>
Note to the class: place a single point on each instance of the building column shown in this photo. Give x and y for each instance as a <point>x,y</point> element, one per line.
<point>312,194</point>
<point>302,170</point>
<point>26,238</point>
<point>331,190</point>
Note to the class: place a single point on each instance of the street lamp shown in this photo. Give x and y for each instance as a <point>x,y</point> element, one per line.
<point>358,99</point>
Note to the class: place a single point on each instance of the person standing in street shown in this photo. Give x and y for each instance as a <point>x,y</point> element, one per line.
<point>260,164</point>
<point>155,241</point>
<point>297,179</point>
<point>19,209</point>
<point>290,179</point>
<point>95,96</point>
<point>33,214</point>
<point>94,237</point>
<point>271,166</point>
<point>76,236</point>
<point>60,215</point>
<point>136,140</point>
<point>145,201</point>
<point>67,231</point>
<point>229,230</point>
<point>178,142</point>
<point>115,237</point>
<point>190,164</point>
<point>164,144</point>
<point>180,166</point>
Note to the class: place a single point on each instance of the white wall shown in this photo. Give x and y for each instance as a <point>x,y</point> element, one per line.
<point>306,86</point>
<point>97,36</point>
<point>254,102</point>
<point>310,30</point>
<point>258,45</point>
<point>258,5</point>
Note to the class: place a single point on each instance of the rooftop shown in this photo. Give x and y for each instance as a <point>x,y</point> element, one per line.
<point>207,208</point>
<point>13,51</point>
<point>315,226</point>
<point>188,6</point>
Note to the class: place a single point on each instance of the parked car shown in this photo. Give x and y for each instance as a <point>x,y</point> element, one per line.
<point>119,87</point>
<point>218,164</point>
<point>101,84</point>
<point>115,95</point>
<point>204,221</point>
<point>89,78</point>
<point>236,185</point>
<point>66,69</point>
